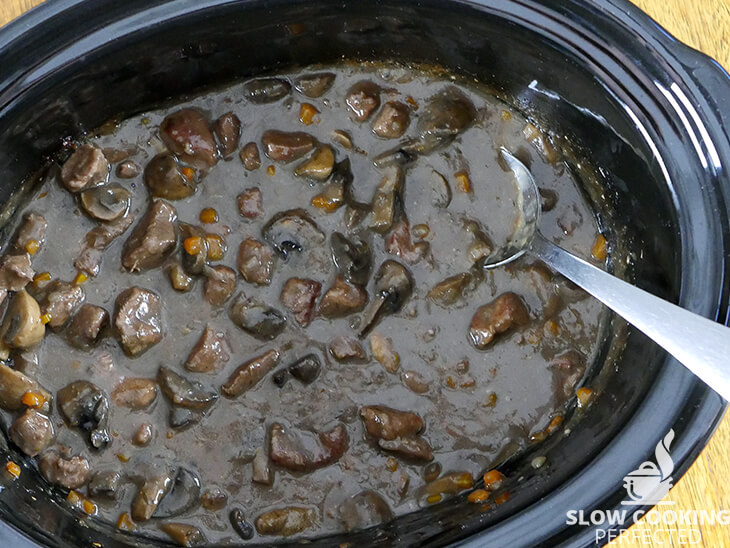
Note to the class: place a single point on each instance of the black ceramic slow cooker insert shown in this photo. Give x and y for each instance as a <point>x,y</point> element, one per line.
<point>653,114</point>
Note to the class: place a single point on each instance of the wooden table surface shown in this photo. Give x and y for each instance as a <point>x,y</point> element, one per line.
<point>705,25</point>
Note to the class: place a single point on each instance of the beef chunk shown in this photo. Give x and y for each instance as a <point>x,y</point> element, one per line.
<point>86,326</point>
<point>250,156</point>
<point>299,296</point>
<point>388,424</point>
<point>32,432</point>
<point>220,282</point>
<point>399,243</point>
<point>209,354</point>
<point>392,120</point>
<point>261,91</point>
<point>128,170</point>
<point>250,204</point>
<point>59,300</point>
<point>285,521</point>
<point>506,311</point>
<point>342,299</point>
<point>410,447</point>
<point>33,227</point>
<point>383,351</point>
<point>304,451</point>
<point>135,393</point>
<point>187,134</point>
<point>347,349</point>
<point>363,99</point>
<point>255,262</point>
<point>306,369</point>
<point>138,319</point>
<point>262,472</point>
<point>282,146</point>
<point>314,85</point>
<point>364,510</point>
<point>71,473</point>
<point>184,534</point>
<point>228,131</point>
<point>86,167</point>
<point>152,240</point>
<point>15,272</point>
<point>98,239</point>
<point>568,369</point>
<point>250,373</point>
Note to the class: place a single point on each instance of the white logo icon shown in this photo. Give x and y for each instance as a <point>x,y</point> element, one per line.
<point>649,484</point>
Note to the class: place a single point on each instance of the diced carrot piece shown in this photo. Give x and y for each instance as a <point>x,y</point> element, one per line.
<point>33,399</point>
<point>193,245</point>
<point>271,170</point>
<point>188,173</point>
<point>463,182</point>
<point>502,498</point>
<point>307,113</point>
<point>477,496</point>
<point>125,523</point>
<point>89,507</point>
<point>600,248</point>
<point>32,247</point>
<point>554,424</point>
<point>13,469</point>
<point>80,278</point>
<point>433,499</point>
<point>584,395</point>
<point>208,216</point>
<point>41,278</point>
<point>46,318</point>
<point>493,480</point>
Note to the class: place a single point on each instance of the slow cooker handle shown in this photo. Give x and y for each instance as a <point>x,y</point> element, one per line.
<point>700,344</point>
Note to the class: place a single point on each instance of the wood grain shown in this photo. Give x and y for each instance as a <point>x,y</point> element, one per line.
<point>705,25</point>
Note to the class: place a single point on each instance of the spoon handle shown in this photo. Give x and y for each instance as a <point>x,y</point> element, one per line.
<point>702,345</point>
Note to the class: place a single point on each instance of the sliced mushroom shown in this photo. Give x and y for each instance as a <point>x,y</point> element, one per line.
<point>342,299</point>
<point>440,190</point>
<point>22,327</point>
<point>292,230</point>
<point>183,495</point>
<point>14,384</point>
<point>319,166</point>
<point>449,291</point>
<point>447,114</point>
<point>250,373</point>
<point>106,484</point>
<point>266,90</point>
<point>150,493</point>
<point>86,406</point>
<point>393,287</point>
<point>135,393</point>
<point>106,203</point>
<point>185,535</point>
<point>86,326</point>
<point>392,121</point>
<point>385,200</point>
<point>306,369</point>
<point>354,260</point>
<point>164,178</point>
<point>262,472</point>
<point>183,392</point>
<point>257,319</point>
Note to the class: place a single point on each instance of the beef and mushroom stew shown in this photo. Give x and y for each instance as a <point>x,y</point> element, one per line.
<point>264,311</point>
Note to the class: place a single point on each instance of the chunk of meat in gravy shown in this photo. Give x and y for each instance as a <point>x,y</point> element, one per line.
<point>228,131</point>
<point>71,473</point>
<point>59,300</point>
<point>285,521</point>
<point>250,374</point>
<point>363,99</point>
<point>220,282</point>
<point>410,447</point>
<point>250,156</point>
<point>209,354</point>
<point>399,243</point>
<point>250,203</point>
<point>255,262</point>
<point>347,349</point>
<point>305,451</point>
<point>96,240</point>
<point>15,272</point>
<point>382,348</point>
<point>86,326</point>
<point>150,494</point>
<point>33,228</point>
<point>505,312</point>
<point>152,240</point>
<point>261,471</point>
<point>282,146</point>
<point>342,299</point>
<point>135,393</point>
<point>568,369</point>
<point>388,424</point>
<point>32,432</point>
<point>392,120</point>
<point>86,167</point>
<point>300,296</point>
<point>138,320</point>
<point>187,133</point>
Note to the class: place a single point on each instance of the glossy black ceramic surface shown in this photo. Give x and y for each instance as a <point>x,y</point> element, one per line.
<point>653,114</point>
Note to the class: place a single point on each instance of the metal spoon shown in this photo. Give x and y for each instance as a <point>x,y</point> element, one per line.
<point>702,345</point>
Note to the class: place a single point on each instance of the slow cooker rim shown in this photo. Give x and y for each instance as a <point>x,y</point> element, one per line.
<point>708,406</point>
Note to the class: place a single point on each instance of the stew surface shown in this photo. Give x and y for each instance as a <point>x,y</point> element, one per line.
<point>263,311</point>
